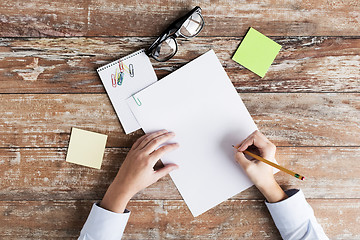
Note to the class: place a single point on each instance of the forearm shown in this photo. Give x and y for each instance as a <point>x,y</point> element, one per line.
<point>272,191</point>
<point>115,199</point>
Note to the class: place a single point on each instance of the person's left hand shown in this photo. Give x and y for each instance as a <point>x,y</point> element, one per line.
<point>137,172</point>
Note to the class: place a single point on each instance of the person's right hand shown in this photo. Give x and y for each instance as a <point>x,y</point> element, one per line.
<point>261,174</point>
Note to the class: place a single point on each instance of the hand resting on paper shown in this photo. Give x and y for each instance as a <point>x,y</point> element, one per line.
<point>260,174</point>
<point>137,172</point>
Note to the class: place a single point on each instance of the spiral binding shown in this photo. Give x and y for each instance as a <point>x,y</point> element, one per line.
<point>121,59</point>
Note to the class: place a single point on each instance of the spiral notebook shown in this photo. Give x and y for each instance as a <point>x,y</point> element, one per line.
<point>123,78</point>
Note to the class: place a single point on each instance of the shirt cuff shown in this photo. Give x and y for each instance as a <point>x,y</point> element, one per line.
<point>291,212</point>
<point>104,224</point>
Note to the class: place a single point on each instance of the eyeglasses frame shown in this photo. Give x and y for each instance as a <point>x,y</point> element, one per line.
<point>173,31</point>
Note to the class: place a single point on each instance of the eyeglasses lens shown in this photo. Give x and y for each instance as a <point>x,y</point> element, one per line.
<point>192,25</point>
<point>165,50</point>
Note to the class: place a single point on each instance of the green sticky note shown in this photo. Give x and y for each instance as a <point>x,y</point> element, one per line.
<point>86,148</point>
<point>256,52</point>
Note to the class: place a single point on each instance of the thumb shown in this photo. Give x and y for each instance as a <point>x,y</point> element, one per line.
<point>242,160</point>
<point>165,170</point>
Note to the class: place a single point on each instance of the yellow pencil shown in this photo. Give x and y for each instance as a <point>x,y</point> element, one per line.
<point>273,164</point>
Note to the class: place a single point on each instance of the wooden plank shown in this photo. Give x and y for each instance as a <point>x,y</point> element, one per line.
<point>171,219</point>
<point>42,18</point>
<point>306,119</point>
<point>67,65</point>
<point>150,18</point>
<point>43,174</point>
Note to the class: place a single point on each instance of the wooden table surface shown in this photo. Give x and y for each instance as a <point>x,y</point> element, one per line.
<point>308,104</point>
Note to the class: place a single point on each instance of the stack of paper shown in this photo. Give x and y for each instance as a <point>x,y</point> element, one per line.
<point>199,103</point>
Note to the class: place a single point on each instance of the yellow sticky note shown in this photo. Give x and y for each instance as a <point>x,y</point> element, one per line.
<point>256,52</point>
<point>86,148</point>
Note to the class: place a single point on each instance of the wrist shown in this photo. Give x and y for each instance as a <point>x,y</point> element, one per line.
<point>272,192</point>
<point>115,199</point>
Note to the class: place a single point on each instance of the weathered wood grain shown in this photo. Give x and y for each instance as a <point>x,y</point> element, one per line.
<point>307,119</point>
<point>48,85</point>
<point>170,219</point>
<point>67,65</point>
<point>150,18</point>
<point>43,174</point>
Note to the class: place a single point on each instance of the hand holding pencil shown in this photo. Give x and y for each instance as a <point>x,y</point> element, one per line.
<point>271,163</point>
<point>260,173</point>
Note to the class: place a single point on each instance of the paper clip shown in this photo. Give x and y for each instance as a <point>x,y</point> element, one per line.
<point>121,66</point>
<point>120,78</point>
<point>138,102</point>
<point>113,80</point>
<point>131,70</point>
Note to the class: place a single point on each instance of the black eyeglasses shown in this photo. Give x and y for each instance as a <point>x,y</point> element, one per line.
<point>188,26</point>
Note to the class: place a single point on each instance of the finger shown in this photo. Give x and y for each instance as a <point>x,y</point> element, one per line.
<point>150,136</point>
<point>156,155</point>
<point>165,171</point>
<point>258,140</point>
<point>242,160</point>
<point>247,143</point>
<point>138,141</point>
<point>246,139</point>
<point>157,141</point>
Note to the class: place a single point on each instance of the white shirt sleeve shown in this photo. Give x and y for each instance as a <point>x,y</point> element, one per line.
<point>102,224</point>
<point>295,218</point>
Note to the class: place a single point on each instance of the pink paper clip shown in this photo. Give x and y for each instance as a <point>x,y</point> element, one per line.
<point>121,66</point>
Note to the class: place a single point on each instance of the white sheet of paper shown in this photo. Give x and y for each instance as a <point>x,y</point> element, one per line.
<point>199,103</point>
<point>143,76</point>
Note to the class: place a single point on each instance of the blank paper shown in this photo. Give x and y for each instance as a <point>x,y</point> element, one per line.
<point>86,148</point>
<point>199,103</point>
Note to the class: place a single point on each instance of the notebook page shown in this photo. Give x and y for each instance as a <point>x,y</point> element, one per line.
<point>124,77</point>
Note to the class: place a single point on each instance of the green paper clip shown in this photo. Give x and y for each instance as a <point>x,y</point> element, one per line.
<point>137,100</point>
